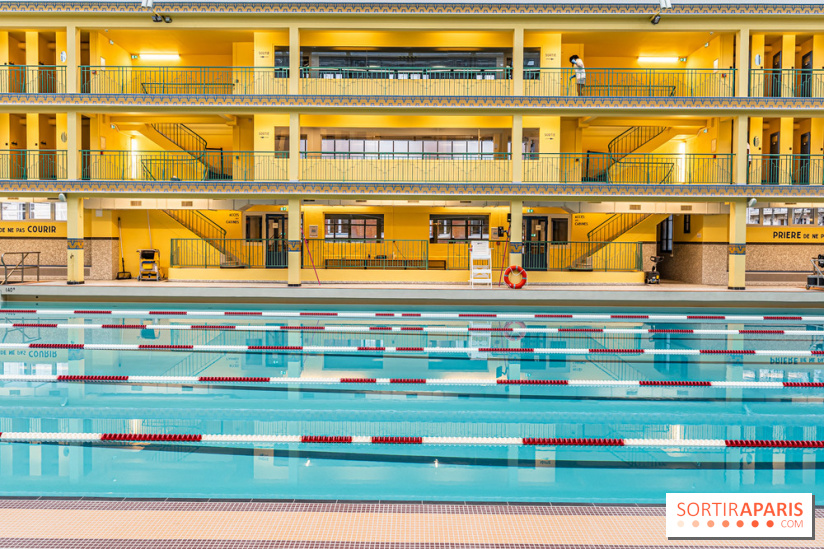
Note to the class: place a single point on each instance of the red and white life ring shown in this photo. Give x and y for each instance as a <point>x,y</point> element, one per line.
<point>514,336</point>
<point>515,269</point>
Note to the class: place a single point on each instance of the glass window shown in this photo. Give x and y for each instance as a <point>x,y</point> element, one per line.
<point>60,211</point>
<point>820,216</point>
<point>449,227</point>
<point>362,227</point>
<point>776,216</point>
<point>13,211</point>
<point>803,216</point>
<point>40,210</point>
<point>254,227</point>
<point>753,216</point>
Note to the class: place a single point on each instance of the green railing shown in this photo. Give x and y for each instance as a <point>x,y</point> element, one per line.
<point>583,256</point>
<point>785,169</point>
<point>633,139</point>
<point>32,79</point>
<point>456,254</point>
<point>660,169</point>
<point>183,80</point>
<point>198,223</point>
<point>33,164</point>
<point>786,82</point>
<point>630,82</point>
<point>183,166</point>
<point>615,225</point>
<point>368,254</point>
<point>406,167</point>
<point>407,81</point>
<point>228,253</point>
<point>182,136</point>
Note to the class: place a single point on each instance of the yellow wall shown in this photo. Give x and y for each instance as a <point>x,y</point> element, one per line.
<point>405,39</point>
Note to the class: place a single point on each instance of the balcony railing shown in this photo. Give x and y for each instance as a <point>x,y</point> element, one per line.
<point>631,82</point>
<point>32,164</point>
<point>785,169</point>
<point>183,80</point>
<point>228,253</point>
<point>787,83</point>
<point>184,166</point>
<point>406,167</point>
<point>406,81</point>
<point>32,79</point>
<point>369,254</point>
<point>616,169</point>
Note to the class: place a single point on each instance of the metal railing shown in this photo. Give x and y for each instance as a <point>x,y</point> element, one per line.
<point>406,167</point>
<point>183,166</point>
<point>628,169</point>
<point>786,82</point>
<point>33,164</point>
<point>228,253</point>
<point>456,254</point>
<point>183,80</point>
<point>198,223</point>
<point>182,136</point>
<point>32,79</point>
<point>406,81</point>
<point>633,139</point>
<point>630,82</point>
<point>785,169</point>
<point>615,225</point>
<point>369,254</point>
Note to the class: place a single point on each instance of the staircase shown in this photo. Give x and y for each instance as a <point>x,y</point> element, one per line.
<point>208,162</point>
<point>613,227</point>
<point>621,167</point>
<point>208,230</point>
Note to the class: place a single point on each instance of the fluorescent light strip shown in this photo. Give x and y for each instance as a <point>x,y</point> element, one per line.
<point>160,56</point>
<point>654,59</point>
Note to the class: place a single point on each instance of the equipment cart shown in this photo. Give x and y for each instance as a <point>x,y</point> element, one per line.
<point>816,280</point>
<point>149,268</point>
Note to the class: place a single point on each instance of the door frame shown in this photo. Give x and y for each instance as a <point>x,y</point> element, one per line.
<point>271,256</point>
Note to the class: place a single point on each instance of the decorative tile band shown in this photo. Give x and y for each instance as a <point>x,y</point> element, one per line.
<point>75,243</point>
<point>737,249</point>
<point>293,245</point>
<point>516,247</point>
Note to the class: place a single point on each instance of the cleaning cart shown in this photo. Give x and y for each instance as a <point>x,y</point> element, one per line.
<point>149,264</point>
<point>816,280</point>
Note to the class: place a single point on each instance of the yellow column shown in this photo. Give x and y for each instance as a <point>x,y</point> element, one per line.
<point>264,80</point>
<point>72,49</point>
<point>756,166</point>
<point>293,256</point>
<point>816,148</point>
<point>5,143</point>
<point>787,62</point>
<point>294,60</point>
<point>740,158</point>
<point>75,235</point>
<point>518,62</point>
<point>785,134</point>
<point>294,146</point>
<point>818,61</point>
<point>72,145</point>
<point>516,147</point>
<point>737,250</point>
<point>743,57</point>
<point>551,81</point>
<point>516,236</point>
<point>32,62</point>
<point>33,145</point>
<point>757,63</point>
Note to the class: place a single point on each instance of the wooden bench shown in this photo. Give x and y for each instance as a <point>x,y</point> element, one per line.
<point>20,266</point>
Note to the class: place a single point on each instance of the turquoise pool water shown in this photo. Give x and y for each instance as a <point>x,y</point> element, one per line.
<point>394,472</point>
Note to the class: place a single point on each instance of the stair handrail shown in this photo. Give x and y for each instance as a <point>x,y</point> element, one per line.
<point>182,136</point>
<point>195,221</point>
<point>641,134</point>
<point>626,220</point>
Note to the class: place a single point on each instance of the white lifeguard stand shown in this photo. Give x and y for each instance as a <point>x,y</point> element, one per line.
<point>480,264</point>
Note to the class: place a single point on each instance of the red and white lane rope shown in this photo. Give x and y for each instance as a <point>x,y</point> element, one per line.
<point>320,349</point>
<point>148,438</point>
<point>433,330</point>
<point>410,316</point>
<point>483,382</point>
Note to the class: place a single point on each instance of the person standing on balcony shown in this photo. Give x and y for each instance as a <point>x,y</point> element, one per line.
<point>580,75</point>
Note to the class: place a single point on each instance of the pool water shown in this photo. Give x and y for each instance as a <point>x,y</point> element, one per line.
<point>408,472</point>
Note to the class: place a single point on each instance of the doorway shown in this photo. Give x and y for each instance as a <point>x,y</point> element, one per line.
<point>805,76</point>
<point>774,167</point>
<point>535,242</point>
<point>275,241</point>
<point>774,77</point>
<point>802,170</point>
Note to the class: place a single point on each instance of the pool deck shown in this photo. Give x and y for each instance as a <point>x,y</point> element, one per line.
<point>187,524</point>
<point>666,294</point>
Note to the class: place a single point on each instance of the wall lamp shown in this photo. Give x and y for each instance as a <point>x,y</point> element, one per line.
<point>146,3</point>
<point>751,202</point>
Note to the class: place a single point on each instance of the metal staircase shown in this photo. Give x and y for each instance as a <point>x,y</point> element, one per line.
<point>598,238</point>
<point>625,163</point>
<point>190,142</point>
<point>208,230</point>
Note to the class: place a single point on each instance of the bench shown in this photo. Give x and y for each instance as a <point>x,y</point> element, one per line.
<point>20,266</point>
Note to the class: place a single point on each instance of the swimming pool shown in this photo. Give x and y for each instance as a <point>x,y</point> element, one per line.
<point>616,376</point>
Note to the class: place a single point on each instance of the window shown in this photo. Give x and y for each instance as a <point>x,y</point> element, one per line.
<point>665,236</point>
<point>254,227</point>
<point>803,216</point>
<point>354,226</point>
<point>687,224</point>
<point>61,211</point>
<point>13,211</point>
<point>776,216</point>
<point>40,210</point>
<point>443,228</point>
<point>753,216</point>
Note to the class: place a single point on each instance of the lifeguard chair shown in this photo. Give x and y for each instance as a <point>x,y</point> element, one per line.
<point>149,268</point>
<point>480,264</point>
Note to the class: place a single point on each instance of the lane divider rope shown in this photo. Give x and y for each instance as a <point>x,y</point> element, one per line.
<point>484,382</point>
<point>395,350</point>
<point>450,330</point>
<point>426,315</point>
<point>148,438</point>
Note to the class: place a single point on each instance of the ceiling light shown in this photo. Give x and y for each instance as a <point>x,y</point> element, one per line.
<point>159,56</point>
<point>654,59</point>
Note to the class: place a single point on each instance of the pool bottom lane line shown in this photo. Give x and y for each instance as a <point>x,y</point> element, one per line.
<point>152,438</point>
<point>480,382</point>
